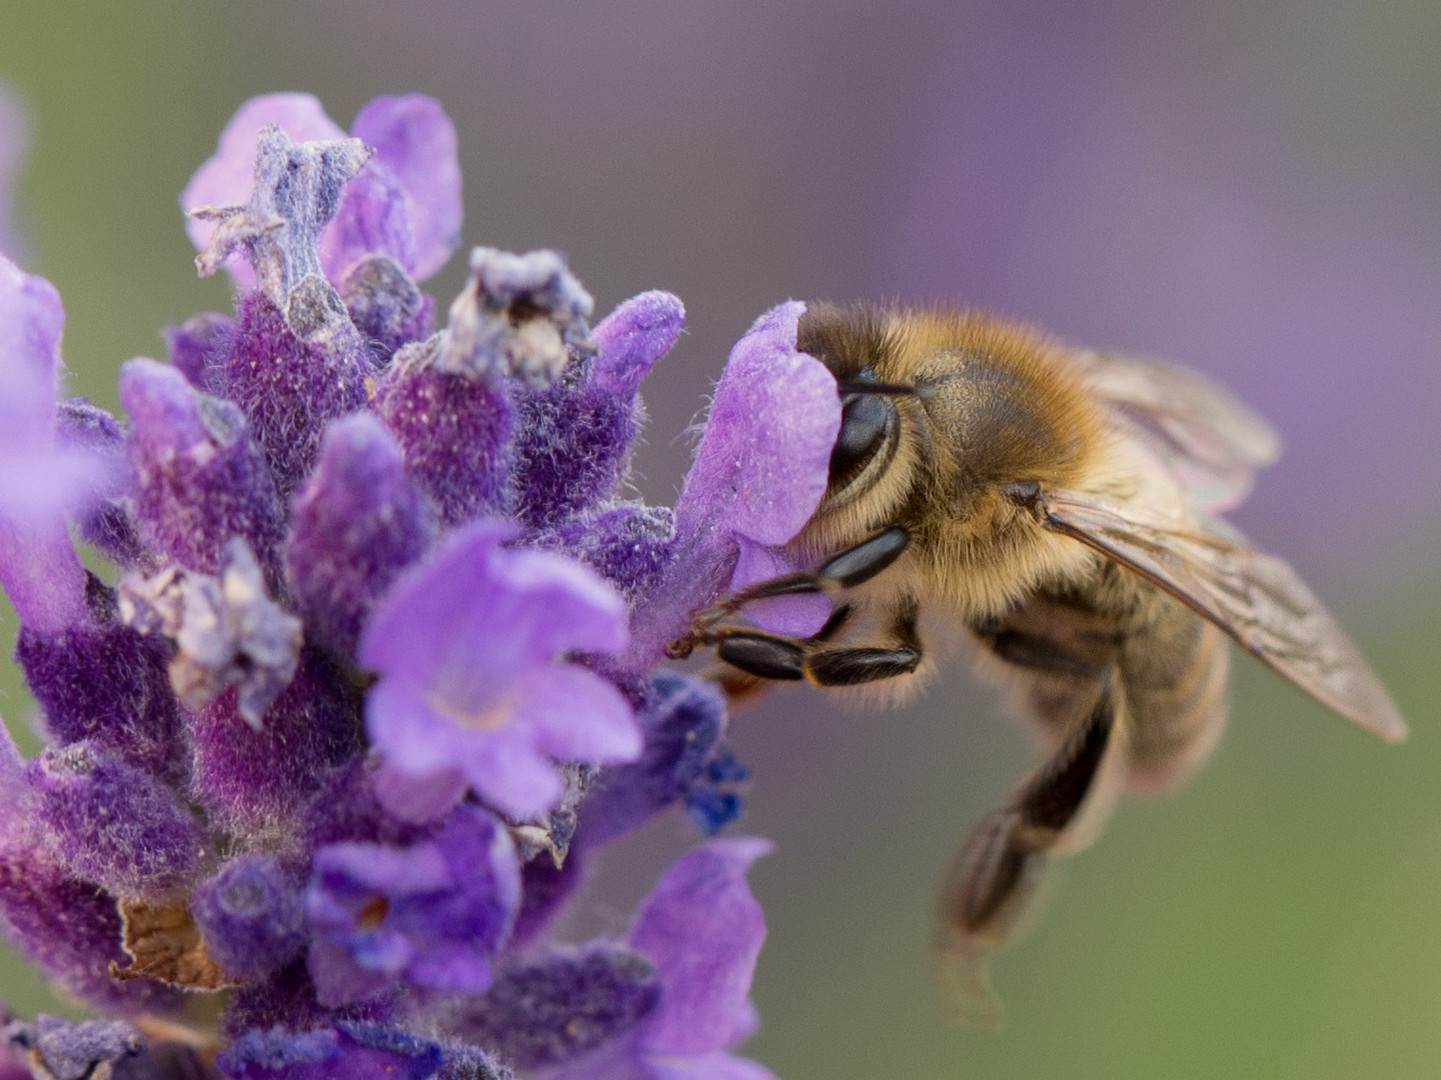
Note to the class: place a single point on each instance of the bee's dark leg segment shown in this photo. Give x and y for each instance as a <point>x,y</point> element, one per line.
<point>1040,653</point>
<point>853,665</point>
<point>851,567</point>
<point>766,656</point>
<point>755,657</point>
<point>771,656</point>
<point>859,564</point>
<point>997,868</point>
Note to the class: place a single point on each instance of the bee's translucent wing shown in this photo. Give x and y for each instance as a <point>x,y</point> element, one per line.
<point>1255,598</point>
<point>1211,442</point>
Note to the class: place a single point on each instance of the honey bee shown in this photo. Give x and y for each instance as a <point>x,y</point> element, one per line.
<point>1056,504</point>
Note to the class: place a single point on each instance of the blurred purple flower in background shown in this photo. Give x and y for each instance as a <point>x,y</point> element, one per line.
<point>387,629</point>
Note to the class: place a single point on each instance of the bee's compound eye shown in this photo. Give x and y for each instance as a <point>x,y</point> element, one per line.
<point>866,421</point>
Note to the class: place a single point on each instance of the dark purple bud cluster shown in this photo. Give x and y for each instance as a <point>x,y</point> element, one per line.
<point>376,675</point>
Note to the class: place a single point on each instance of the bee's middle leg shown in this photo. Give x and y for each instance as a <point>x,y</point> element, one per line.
<point>772,656</point>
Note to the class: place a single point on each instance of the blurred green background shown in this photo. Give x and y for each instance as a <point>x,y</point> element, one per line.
<point>1248,188</point>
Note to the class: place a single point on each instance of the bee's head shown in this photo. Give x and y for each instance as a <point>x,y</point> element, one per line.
<point>943,412</point>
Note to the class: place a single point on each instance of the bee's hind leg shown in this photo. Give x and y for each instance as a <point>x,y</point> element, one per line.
<point>997,871</point>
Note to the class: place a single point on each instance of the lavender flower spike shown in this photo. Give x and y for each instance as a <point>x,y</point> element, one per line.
<point>466,645</point>
<point>379,678</point>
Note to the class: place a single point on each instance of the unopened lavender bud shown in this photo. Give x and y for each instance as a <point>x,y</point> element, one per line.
<point>251,916</point>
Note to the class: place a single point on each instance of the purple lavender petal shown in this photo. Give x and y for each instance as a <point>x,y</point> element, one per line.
<point>415,141</point>
<point>511,775</point>
<point>111,824</point>
<point>12,791</point>
<point>419,800</point>
<point>250,916</point>
<point>405,204</point>
<point>760,471</point>
<point>201,479</point>
<point>42,576</point>
<point>465,645</point>
<point>227,178</point>
<point>356,523</point>
<point>413,738</point>
<point>38,566</point>
<point>632,338</point>
<point>550,703</point>
<point>703,929</point>
<point>764,459</point>
<point>455,433</point>
<point>540,583</point>
<point>373,221</point>
<point>430,915</point>
<point>715,1066</point>
<point>796,616</point>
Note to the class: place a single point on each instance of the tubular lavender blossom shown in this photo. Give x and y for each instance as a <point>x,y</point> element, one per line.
<point>376,675</point>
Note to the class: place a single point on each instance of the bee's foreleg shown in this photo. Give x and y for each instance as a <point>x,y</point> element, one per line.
<point>852,567</point>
